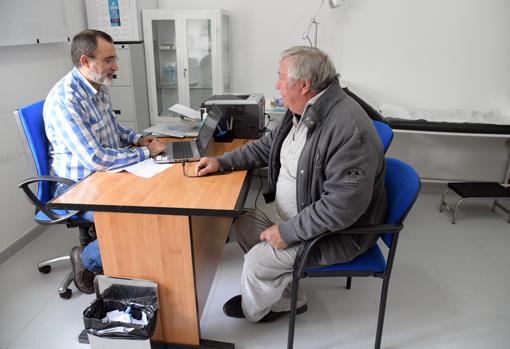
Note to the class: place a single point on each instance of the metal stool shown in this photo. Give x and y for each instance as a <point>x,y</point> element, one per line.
<point>476,190</point>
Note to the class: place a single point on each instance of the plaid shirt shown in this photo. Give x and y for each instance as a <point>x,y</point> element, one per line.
<point>82,130</point>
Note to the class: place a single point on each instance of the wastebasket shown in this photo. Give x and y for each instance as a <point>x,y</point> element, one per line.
<point>123,314</point>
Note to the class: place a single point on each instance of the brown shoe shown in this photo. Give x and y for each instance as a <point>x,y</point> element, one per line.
<point>83,278</point>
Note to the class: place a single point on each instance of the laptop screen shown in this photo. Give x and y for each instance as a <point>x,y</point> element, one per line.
<point>208,128</point>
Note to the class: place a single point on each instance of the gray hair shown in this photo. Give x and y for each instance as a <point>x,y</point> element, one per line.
<point>85,43</point>
<point>309,63</point>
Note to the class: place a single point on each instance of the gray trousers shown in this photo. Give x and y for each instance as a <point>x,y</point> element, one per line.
<point>266,281</point>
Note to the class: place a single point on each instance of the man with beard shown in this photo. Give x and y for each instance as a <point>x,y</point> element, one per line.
<point>84,135</point>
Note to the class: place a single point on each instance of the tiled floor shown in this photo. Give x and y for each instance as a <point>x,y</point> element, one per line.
<point>450,289</point>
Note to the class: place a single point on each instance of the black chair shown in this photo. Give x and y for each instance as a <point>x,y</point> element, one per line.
<point>31,124</point>
<point>402,185</point>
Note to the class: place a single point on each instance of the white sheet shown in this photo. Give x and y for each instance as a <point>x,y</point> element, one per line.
<point>456,116</point>
<point>145,169</point>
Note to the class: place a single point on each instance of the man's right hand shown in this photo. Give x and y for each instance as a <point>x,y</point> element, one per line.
<point>156,146</point>
<point>207,165</point>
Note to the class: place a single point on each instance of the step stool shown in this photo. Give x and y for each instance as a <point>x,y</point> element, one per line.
<point>476,190</point>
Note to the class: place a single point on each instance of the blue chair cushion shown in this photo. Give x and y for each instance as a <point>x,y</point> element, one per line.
<point>371,261</point>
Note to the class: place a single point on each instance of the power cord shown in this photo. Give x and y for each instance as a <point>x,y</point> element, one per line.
<point>261,181</point>
<point>260,188</point>
<point>195,176</point>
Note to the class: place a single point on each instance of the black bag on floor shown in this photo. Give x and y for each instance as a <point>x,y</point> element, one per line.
<point>122,295</point>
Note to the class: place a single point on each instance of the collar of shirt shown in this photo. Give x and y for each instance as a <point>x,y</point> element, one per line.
<point>87,86</point>
<point>308,105</point>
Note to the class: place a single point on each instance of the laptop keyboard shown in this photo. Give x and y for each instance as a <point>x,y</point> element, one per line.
<point>182,150</point>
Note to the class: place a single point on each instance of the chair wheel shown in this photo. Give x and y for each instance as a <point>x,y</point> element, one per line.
<point>45,269</point>
<point>67,294</point>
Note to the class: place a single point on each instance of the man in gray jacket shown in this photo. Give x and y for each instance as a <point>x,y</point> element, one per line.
<point>325,173</point>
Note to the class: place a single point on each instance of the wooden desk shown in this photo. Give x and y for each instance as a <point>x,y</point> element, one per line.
<point>169,228</point>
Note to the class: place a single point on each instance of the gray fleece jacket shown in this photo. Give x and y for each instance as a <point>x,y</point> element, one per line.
<point>340,179</point>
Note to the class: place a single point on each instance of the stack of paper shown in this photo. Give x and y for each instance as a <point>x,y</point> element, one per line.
<point>185,112</point>
<point>179,130</point>
<point>185,123</point>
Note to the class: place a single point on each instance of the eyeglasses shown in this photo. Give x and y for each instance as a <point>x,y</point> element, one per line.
<point>108,60</point>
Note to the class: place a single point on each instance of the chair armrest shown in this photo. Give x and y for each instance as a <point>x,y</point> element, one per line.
<point>40,206</point>
<point>308,245</point>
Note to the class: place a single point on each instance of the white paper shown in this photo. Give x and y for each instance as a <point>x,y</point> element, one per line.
<point>179,129</point>
<point>185,111</point>
<point>145,169</point>
<point>120,316</point>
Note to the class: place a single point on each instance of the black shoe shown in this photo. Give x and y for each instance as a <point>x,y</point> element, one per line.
<point>83,278</point>
<point>233,309</point>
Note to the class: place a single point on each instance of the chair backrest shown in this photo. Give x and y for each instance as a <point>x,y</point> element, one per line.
<point>32,124</point>
<point>385,133</point>
<point>402,185</point>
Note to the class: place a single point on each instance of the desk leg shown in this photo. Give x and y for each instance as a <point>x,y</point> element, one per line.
<point>179,253</point>
<point>209,235</point>
<point>157,248</point>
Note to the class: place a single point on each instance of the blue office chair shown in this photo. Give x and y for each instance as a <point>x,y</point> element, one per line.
<point>385,133</point>
<point>31,125</point>
<point>402,185</point>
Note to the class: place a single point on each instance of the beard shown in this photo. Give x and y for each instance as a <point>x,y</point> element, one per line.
<point>101,79</point>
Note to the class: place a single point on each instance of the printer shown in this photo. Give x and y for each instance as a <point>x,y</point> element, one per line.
<point>243,112</point>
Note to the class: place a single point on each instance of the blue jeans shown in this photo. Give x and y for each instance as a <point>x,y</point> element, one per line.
<point>90,256</point>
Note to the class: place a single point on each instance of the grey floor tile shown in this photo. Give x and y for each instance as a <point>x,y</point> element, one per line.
<point>25,291</point>
<point>57,326</point>
<point>448,290</point>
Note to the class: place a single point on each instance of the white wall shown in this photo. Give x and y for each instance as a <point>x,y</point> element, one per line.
<point>27,72</point>
<point>418,54</point>
<point>434,54</point>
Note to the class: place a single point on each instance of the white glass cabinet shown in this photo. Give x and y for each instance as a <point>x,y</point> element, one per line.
<point>187,57</point>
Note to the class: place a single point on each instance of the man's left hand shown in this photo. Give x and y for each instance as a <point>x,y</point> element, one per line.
<point>272,236</point>
<point>145,140</point>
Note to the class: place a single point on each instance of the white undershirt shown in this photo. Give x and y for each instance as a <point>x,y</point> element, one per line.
<point>286,190</point>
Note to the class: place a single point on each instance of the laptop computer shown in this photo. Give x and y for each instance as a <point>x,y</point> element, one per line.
<point>192,150</point>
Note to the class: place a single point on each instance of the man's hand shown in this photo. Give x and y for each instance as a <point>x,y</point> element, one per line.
<point>272,235</point>
<point>145,140</point>
<point>207,165</point>
<point>156,147</point>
